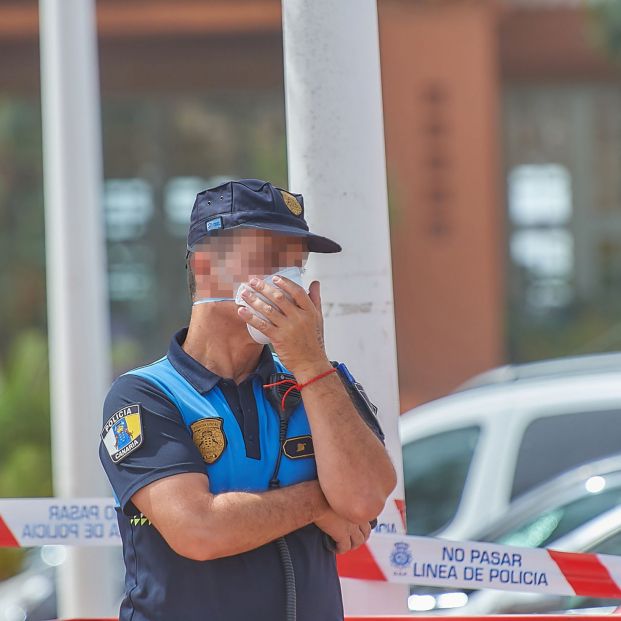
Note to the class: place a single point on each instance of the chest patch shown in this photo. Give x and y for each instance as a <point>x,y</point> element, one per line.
<point>208,435</point>
<point>298,447</point>
<point>122,432</point>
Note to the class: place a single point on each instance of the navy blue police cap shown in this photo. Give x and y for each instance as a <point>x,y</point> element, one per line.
<point>252,203</point>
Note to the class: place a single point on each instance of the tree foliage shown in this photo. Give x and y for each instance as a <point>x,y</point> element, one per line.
<point>25,459</point>
<point>605,20</point>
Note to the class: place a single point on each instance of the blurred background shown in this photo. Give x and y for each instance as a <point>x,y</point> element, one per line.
<point>503,137</point>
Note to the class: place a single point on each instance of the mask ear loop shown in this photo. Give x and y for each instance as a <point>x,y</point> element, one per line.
<point>210,300</point>
<point>188,252</point>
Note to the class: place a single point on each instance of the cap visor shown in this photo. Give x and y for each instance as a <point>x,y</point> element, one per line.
<point>316,243</point>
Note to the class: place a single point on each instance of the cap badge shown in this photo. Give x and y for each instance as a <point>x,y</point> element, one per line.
<point>292,203</point>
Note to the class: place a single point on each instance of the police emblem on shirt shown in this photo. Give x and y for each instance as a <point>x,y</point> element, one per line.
<point>300,446</point>
<point>292,203</point>
<point>122,432</point>
<point>209,438</point>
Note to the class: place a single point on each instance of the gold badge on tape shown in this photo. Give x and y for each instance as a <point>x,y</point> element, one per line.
<point>292,203</point>
<point>208,435</point>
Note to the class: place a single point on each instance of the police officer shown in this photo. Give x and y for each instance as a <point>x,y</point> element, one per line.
<point>227,448</point>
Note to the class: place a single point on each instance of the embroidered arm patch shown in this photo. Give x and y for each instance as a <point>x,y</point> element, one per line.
<point>122,432</point>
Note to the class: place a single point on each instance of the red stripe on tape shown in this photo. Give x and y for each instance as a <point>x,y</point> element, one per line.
<point>359,564</point>
<point>7,539</point>
<point>401,506</point>
<point>586,574</point>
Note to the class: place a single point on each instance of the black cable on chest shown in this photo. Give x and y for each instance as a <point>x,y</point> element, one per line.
<point>284,398</point>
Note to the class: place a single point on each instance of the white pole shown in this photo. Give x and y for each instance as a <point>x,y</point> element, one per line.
<point>76,284</point>
<point>335,139</point>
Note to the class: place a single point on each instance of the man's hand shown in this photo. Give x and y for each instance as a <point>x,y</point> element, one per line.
<point>354,469</point>
<point>346,535</point>
<point>295,324</point>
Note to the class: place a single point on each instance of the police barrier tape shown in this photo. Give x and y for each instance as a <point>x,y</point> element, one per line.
<point>92,521</point>
<point>473,565</point>
<point>28,522</point>
<point>394,558</point>
<point>455,618</point>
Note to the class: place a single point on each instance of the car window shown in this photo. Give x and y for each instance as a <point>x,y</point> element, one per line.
<point>554,523</point>
<point>553,444</point>
<point>435,471</point>
<point>611,545</point>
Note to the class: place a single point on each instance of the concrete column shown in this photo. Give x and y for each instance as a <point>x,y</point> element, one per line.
<point>76,281</point>
<point>335,139</point>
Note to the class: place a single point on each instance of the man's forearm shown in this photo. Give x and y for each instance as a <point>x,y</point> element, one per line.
<point>355,472</point>
<point>354,469</point>
<point>235,522</point>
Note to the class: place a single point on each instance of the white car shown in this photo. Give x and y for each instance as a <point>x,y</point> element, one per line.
<point>31,594</point>
<point>601,535</point>
<point>468,455</point>
<point>578,511</point>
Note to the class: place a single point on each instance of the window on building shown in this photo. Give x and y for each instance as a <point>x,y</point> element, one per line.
<point>541,244</point>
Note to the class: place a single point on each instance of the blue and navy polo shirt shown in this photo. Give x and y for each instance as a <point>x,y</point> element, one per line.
<point>175,416</point>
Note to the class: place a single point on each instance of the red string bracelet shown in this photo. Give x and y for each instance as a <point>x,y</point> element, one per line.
<point>295,385</point>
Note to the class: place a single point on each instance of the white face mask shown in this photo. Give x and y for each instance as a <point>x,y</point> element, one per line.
<point>292,273</point>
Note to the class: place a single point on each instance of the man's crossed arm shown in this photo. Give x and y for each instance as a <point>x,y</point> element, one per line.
<point>204,526</point>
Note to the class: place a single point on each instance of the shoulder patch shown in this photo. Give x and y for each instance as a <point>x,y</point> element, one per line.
<point>298,447</point>
<point>122,432</point>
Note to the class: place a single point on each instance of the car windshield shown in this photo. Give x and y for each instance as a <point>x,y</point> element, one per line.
<point>542,529</point>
